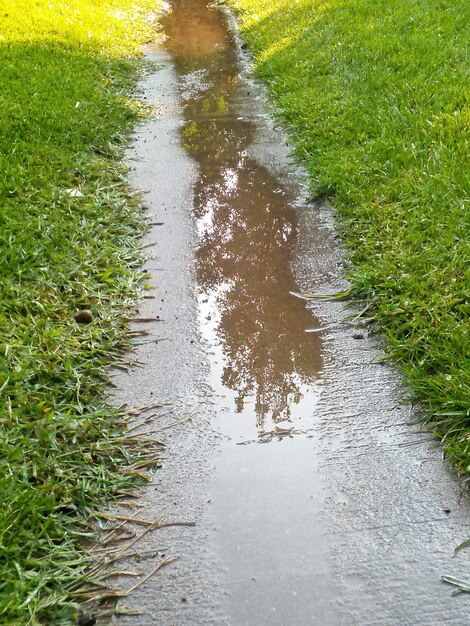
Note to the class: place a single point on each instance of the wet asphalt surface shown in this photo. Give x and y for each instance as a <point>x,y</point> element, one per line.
<point>315,497</point>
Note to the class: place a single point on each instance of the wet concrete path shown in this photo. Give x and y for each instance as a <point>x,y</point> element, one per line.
<point>316,502</point>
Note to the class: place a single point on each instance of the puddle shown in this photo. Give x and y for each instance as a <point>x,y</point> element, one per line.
<point>264,367</point>
<point>264,364</point>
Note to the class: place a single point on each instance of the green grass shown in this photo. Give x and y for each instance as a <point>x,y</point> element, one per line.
<point>67,71</point>
<point>375,95</point>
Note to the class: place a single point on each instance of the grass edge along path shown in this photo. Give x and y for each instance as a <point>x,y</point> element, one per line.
<point>375,98</point>
<point>68,241</point>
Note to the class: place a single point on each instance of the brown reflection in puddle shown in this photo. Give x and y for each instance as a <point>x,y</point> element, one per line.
<point>247,228</point>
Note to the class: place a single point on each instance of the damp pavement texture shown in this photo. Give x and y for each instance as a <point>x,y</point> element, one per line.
<point>315,497</point>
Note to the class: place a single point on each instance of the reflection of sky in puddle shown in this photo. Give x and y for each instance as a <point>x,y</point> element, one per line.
<point>286,402</point>
<point>264,365</point>
<point>193,84</point>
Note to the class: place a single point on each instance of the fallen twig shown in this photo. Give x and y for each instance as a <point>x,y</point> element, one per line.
<point>155,526</point>
<point>123,573</point>
<point>163,562</point>
<point>147,407</point>
<point>147,420</point>
<point>110,534</point>
<point>140,320</point>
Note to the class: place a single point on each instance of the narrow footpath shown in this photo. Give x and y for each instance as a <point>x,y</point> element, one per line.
<point>315,497</point>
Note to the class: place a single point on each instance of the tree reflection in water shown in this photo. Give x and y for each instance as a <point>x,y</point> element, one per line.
<point>247,233</point>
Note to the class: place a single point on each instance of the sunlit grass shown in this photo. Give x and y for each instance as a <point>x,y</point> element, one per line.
<point>376,98</point>
<point>68,232</point>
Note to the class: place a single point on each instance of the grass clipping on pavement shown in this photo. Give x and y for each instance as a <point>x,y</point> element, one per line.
<point>68,242</point>
<point>375,96</point>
